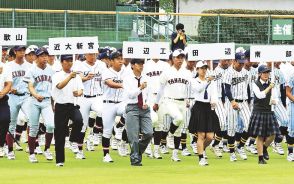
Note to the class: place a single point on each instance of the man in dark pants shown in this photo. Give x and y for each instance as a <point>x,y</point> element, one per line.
<point>138,118</point>
<point>5,86</point>
<point>67,87</point>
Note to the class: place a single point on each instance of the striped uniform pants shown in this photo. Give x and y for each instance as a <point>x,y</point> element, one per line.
<point>291,121</point>
<point>238,118</point>
<point>221,112</point>
<point>281,114</point>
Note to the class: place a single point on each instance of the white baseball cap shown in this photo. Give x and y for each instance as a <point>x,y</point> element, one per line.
<point>179,52</point>
<point>31,48</point>
<point>200,64</point>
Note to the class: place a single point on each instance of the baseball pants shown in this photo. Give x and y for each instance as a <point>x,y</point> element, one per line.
<point>17,103</point>
<point>221,113</point>
<point>36,109</point>
<point>175,109</point>
<point>87,105</point>
<point>109,113</point>
<point>233,122</point>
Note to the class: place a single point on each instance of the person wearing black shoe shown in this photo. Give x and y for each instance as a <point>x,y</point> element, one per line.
<point>67,87</point>
<point>263,122</point>
<point>138,118</point>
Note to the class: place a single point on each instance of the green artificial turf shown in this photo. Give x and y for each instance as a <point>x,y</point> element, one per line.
<point>93,170</point>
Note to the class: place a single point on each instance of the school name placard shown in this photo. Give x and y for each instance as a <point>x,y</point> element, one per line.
<point>13,36</point>
<point>268,53</point>
<point>149,50</point>
<point>73,45</point>
<point>211,51</point>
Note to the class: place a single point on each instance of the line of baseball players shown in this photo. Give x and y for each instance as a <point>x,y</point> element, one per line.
<point>101,103</point>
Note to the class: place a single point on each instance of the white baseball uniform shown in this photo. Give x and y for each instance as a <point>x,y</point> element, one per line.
<point>175,85</point>
<point>153,70</point>
<point>113,104</point>
<point>93,90</point>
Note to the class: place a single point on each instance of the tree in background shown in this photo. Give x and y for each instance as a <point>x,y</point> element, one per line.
<point>168,5</point>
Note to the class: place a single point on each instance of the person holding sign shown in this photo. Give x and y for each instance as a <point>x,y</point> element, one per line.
<point>263,122</point>
<point>204,120</point>
<point>138,118</point>
<point>179,39</point>
<point>66,86</point>
<point>5,86</point>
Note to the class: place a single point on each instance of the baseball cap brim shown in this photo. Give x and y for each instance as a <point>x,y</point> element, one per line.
<point>179,52</point>
<point>17,48</point>
<point>114,55</point>
<point>29,50</point>
<point>42,52</point>
<point>241,60</point>
<point>4,48</point>
<point>264,70</point>
<point>66,57</point>
<point>201,64</point>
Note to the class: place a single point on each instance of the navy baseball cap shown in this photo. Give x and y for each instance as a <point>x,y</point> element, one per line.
<point>120,50</point>
<point>114,55</point>
<point>66,57</point>
<point>105,50</point>
<point>11,52</point>
<point>139,61</point>
<point>4,48</point>
<point>41,51</point>
<point>19,47</point>
<point>263,69</point>
<point>103,55</point>
<point>240,57</point>
<point>215,61</point>
<point>247,54</point>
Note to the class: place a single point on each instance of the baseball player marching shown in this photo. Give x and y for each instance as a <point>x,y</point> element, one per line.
<point>153,69</point>
<point>19,95</point>
<point>39,79</point>
<point>236,82</point>
<point>112,99</point>
<point>220,109</point>
<point>91,74</point>
<point>174,82</point>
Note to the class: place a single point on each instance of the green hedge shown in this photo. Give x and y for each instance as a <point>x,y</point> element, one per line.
<point>238,30</point>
